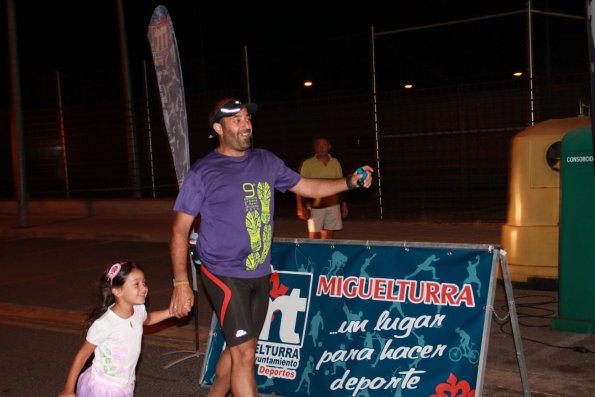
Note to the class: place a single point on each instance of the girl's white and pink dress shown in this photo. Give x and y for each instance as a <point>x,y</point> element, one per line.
<point>118,342</point>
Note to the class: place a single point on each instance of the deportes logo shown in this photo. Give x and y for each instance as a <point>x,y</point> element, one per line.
<point>284,329</point>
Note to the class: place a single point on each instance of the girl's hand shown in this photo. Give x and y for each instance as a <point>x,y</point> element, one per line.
<point>66,394</point>
<point>188,305</point>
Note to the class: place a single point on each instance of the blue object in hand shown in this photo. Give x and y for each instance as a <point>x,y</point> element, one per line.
<point>361,179</point>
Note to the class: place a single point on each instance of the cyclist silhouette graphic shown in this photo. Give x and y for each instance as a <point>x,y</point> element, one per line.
<point>465,349</point>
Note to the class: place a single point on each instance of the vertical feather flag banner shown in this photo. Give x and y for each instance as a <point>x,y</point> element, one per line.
<point>166,60</point>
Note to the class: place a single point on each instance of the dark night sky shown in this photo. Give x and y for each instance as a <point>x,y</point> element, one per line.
<point>291,41</point>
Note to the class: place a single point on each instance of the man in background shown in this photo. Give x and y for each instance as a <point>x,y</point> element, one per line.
<point>323,215</point>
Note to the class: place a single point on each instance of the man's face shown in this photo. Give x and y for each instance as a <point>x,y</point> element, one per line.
<point>321,147</point>
<point>235,133</point>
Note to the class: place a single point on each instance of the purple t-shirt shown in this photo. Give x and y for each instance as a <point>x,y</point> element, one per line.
<point>235,199</point>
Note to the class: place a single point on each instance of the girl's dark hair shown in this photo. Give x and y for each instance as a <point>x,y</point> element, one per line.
<point>112,277</point>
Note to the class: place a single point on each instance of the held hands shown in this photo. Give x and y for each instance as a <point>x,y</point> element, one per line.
<point>182,300</point>
<point>362,177</point>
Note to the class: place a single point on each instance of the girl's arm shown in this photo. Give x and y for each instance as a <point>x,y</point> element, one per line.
<point>157,316</point>
<point>75,369</point>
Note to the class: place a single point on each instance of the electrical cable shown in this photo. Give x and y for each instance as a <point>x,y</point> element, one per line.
<point>533,310</point>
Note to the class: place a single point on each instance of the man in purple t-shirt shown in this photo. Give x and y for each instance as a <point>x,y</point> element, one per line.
<point>232,188</point>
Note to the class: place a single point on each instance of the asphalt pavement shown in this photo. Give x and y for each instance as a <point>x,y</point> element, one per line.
<point>49,270</point>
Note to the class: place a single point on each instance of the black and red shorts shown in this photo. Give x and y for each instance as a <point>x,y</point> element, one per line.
<point>241,304</point>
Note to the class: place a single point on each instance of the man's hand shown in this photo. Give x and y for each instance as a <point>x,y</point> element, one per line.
<point>182,300</point>
<point>344,210</point>
<point>303,214</point>
<point>353,180</point>
<point>182,297</point>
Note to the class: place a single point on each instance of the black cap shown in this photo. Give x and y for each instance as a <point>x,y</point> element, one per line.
<point>229,108</point>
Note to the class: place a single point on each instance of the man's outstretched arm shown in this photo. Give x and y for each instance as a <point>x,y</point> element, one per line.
<point>315,188</point>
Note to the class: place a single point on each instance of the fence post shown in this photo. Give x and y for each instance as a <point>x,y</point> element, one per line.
<point>16,117</point>
<point>375,113</point>
<point>62,133</point>
<point>129,119</point>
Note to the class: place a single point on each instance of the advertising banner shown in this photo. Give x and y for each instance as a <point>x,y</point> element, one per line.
<point>382,319</point>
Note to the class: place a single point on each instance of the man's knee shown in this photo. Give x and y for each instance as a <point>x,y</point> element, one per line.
<point>244,354</point>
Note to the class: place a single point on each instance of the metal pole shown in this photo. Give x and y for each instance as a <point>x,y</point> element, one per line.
<point>16,118</point>
<point>514,323</point>
<point>149,132</point>
<point>375,113</point>
<point>442,24</point>
<point>247,75</point>
<point>62,133</point>
<point>247,82</point>
<point>530,56</point>
<point>133,168</point>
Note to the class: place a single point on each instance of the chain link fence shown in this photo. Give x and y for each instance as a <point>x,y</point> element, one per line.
<point>443,153</point>
<point>440,150</point>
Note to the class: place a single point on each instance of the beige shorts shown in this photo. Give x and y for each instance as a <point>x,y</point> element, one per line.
<point>328,218</point>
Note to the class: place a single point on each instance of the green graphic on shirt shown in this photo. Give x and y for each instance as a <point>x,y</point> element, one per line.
<point>259,228</point>
<point>253,225</point>
<point>106,357</point>
<point>264,195</point>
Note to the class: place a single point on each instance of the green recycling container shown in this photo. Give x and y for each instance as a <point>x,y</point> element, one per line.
<point>576,307</point>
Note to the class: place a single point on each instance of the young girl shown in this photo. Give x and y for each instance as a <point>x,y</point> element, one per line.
<point>114,333</point>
